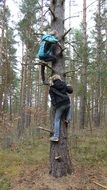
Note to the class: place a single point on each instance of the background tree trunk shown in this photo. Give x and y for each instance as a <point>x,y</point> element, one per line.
<point>83,101</point>
<point>3,27</point>
<point>98,66</point>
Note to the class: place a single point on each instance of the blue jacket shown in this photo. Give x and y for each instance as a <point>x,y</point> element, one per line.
<point>48,38</point>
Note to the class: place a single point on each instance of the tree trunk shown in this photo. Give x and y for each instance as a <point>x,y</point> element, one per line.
<point>2,54</point>
<point>84,72</point>
<point>98,66</point>
<point>21,122</point>
<point>60,163</point>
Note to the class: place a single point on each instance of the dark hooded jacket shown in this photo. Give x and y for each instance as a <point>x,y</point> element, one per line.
<point>59,93</point>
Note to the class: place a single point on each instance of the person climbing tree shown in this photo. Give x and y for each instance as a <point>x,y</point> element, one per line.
<point>60,100</point>
<point>48,51</point>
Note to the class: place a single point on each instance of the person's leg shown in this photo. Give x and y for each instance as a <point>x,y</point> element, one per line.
<point>43,72</point>
<point>68,114</point>
<point>57,123</point>
<point>47,58</point>
<point>50,58</point>
<point>56,50</point>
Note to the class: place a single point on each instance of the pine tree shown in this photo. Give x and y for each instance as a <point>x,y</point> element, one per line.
<point>60,163</point>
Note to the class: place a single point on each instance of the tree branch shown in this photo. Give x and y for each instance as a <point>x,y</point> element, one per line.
<point>73,71</point>
<point>54,17</point>
<point>70,17</point>
<point>44,129</point>
<point>105,187</point>
<point>45,64</point>
<point>63,50</point>
<point>65,33</point>
<point>40,63</point>
<point>74,50</point>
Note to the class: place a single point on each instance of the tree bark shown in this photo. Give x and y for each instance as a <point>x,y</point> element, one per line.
<point>98,66</point>
<point>60,163</point>
<point>83,100</point>
<point>1,55</point>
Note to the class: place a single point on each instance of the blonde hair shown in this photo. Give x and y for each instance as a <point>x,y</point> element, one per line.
<point>53,32</point>
<point>54,77</point>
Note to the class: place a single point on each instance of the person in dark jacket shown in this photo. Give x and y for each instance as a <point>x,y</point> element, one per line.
<point>48,50</point>
<point>60,100</point>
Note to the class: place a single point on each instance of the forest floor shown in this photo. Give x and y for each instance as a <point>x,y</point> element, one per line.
<point>87,178</point>
<point>25,165</point>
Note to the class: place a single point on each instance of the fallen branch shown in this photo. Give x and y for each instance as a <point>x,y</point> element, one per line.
<point>105,187</point>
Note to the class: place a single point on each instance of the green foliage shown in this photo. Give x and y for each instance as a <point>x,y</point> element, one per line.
<point>8,63</point>
<point>5,184</point>
<point>29,7</point>
<point>78,45</point>
<point>27,25</point>
<point>25,153</point>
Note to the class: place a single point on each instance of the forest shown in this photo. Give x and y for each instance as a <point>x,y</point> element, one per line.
<point>28,159</point>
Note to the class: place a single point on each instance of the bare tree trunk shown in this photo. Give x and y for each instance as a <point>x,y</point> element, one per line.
<point>105,100</point>
<point>21,122</point>
<point>2,54</point>
<point>98,65</point>
<point>84,72</point>
<point>60,163</point>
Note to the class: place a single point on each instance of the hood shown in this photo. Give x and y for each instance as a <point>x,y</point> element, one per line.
<point>58,84</point>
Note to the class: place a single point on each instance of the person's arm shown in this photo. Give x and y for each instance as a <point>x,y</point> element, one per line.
<point>69,89</point>
<point>59,44</point>
<point>52,97</point>
<point>51,39</point>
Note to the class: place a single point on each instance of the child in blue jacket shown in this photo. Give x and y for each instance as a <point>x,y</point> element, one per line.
<point>47,50</point>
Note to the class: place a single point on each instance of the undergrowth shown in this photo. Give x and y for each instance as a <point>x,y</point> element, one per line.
<point>90,148</point>
<point>5,184</point>
<point>85,148</point>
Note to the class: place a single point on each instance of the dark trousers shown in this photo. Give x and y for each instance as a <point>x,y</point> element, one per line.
<point>48,59</point>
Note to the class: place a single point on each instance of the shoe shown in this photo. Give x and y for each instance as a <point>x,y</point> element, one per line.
<point>45,82</point>
<point>67,122</point>
<point>54,139</point>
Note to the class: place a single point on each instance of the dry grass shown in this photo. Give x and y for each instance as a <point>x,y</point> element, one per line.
<point>25,166</point>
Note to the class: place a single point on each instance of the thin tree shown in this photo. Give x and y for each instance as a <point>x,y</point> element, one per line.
<point>28,37</point>
<point>83,100</point>
<point>99,43</point>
